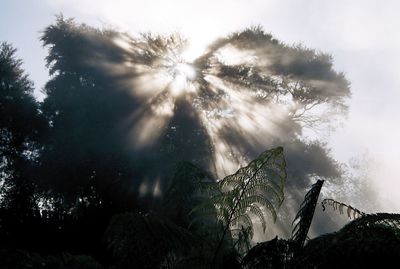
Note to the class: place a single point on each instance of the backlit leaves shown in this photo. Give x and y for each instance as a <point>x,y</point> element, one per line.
<point>247,193</point>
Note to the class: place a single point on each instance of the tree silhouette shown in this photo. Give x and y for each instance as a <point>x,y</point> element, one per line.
<point>120,112</point>
<point>20,124</point>
<point>135,106</point>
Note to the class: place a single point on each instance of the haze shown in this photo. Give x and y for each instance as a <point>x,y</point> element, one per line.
<point>362,37</point>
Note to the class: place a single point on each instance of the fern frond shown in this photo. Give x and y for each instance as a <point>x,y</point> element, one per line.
<point>305,214</point>
<point>243,192</point>
<point>267,188</point>
<point>351,211</point>
<point>242,237</point>
<point>256,210</point>
<point>266,174</point>
<point>269,168</point>
<point>243,220</point>
<point>261,200</point>
<point>260,183</point>
<point>368,220</point>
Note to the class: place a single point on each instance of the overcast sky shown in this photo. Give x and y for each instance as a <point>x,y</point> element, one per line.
<point>361,35</point>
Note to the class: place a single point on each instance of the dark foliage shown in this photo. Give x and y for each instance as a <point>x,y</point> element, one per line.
<point>273,254</point>
<point>207,238</point>
<point>305,214</point>
<point>371,241</point>
<point>91,169</point>
<point>281,253</point>
<point>19,259</point>
<point>20,125</point>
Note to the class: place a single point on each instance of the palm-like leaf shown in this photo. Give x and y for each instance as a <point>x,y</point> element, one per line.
<point>237,197</point>
<point>351,211</point>
<point>254,187</point>
<point>305,214</point>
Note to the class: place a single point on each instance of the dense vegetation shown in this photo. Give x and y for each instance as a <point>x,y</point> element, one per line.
<point>113,170</point>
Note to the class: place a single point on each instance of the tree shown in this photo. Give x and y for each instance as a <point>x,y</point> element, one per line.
<point>92,110</point>
<point>20,126</point>
<point>248,91</point>
<point>124,110</point>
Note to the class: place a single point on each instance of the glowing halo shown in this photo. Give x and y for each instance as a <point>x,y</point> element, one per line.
<point>183,74</point>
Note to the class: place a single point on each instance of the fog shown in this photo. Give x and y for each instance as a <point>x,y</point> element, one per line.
<point>361,37</point>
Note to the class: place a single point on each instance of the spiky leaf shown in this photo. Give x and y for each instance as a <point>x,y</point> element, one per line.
<point>305,214</point>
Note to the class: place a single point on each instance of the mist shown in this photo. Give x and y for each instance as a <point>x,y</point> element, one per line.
<point>128,116</point>
<point>248,92</point>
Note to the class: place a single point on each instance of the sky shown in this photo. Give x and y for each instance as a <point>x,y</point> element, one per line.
<point>361,35</point>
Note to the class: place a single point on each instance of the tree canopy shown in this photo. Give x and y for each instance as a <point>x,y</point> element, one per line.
<point>133,107</point>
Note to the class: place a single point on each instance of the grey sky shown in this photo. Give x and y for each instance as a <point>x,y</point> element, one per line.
<point>361,35</point>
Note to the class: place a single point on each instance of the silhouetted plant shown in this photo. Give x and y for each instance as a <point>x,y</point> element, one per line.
<point>93,163</point>
<point>370,241</point>
<point>305,214</point>
<point>279,253</point>
<point>219,209</point>
<point>273,254</point>
<point>238,197</point>
<point>350,211</point>
<point>20,126</point>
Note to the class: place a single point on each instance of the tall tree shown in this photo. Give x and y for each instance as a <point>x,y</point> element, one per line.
<point>123,110</point>
<point>20,125</point>
<point>98,148</point>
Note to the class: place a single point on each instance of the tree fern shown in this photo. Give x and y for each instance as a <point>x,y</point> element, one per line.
<point>252,188</point>
<point>225,210</point>
<point>278,253</point>
<point>305,214</point>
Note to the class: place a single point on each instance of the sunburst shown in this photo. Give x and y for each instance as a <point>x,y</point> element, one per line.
<point>242,87</point>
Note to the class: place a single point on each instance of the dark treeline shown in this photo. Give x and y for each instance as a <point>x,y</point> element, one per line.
<point>118,166</point>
